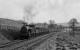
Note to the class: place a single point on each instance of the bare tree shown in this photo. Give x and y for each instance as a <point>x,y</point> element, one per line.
<point>73,21</point>
<point>51,24</point>
<point>51,21</point>
<point>72,25</point>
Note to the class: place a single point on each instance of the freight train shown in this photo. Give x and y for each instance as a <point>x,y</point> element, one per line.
<point>30,31</point>
<point>25,31</point>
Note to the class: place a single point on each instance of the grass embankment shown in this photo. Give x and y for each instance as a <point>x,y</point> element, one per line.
<point>3,39</point>
<point>8,29</point>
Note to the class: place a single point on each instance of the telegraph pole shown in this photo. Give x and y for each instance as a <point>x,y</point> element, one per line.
<point>72,24</point>
<point>73,29</point>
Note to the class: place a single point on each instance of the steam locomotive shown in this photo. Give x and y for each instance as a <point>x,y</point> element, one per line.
<point>30,31</point>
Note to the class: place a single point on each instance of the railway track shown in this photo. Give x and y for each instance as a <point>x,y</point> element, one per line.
<point>8,44</point>
<point>34,43</point>
<point>18,44</point>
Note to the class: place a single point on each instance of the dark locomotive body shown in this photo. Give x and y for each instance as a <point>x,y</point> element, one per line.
<point>30,31</point>
<point>25,32</point>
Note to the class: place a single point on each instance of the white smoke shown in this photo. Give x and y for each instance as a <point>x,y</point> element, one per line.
<point>29,13</point>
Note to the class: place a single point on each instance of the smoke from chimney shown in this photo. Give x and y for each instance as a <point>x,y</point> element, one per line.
<point>29,13</point>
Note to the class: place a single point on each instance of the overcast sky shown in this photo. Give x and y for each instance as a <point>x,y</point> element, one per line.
<point>40,10</point>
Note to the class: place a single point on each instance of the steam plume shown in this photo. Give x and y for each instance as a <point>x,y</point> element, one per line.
<point>29,13</point>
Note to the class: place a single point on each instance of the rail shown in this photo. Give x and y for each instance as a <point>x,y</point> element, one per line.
<point>17,44</point>
<point>10,43</point>
<point>31,43</point>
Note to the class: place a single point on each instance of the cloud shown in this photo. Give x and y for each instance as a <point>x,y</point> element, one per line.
<point>61,11</point>
<point>10,10</point>
<point>44,10</point>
